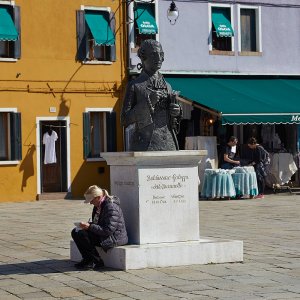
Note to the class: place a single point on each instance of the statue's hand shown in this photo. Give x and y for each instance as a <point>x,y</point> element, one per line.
<point>174,109</point>
<point>155,96</point>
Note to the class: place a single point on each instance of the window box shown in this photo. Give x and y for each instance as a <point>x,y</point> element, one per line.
<point>218,52</point>
<point>250,53</point>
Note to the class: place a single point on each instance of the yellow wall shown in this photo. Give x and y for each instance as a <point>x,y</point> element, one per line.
<point>48,50</point>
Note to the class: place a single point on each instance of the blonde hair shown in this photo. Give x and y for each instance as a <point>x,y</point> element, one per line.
<point>95,191</point>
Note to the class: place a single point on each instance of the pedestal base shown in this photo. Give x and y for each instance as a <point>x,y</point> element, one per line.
<point>204,251</point>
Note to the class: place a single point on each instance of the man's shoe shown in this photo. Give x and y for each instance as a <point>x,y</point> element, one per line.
<point>84,264</point>
<point>98,265</point>
<point>260,196</point>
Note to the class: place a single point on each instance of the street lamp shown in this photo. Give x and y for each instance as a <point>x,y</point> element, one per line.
<point>172,13</point>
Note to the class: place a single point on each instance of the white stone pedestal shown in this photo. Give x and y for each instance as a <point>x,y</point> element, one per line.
<point>201,252</point>
<point>159,194</point>
<point>160,201</point>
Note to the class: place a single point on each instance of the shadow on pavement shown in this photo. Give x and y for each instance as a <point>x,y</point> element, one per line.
<point>41,267</point>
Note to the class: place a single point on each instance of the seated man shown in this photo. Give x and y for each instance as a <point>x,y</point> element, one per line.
<point>229,158</point>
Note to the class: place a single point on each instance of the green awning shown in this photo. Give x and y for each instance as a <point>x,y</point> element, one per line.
<point>8,31</point>
<point>98,22</point>
<point>244,100</point>
<point>144,17</point>
<point>222,23</point>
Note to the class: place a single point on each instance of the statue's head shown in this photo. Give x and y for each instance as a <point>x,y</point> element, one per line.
<point>151,55</point>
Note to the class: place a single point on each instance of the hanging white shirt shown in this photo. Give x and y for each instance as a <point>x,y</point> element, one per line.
<point>49,142</point>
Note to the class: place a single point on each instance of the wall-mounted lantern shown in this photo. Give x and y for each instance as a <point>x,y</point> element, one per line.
<point>173,13</point>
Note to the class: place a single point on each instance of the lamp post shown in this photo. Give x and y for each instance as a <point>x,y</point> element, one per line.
<point>172,13</point>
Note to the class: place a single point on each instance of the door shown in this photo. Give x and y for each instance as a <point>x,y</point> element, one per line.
<point>53,135</point>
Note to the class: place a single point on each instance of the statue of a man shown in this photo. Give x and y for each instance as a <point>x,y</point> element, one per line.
<point>150,105</point>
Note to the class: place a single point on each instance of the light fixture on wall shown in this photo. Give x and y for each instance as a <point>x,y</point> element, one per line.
<point>173,13</point>
<point>209,121</point>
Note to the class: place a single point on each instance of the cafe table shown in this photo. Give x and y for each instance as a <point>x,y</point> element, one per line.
<point>218,183</point>
<point>245,181</point>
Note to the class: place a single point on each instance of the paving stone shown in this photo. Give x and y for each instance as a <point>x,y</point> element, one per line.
<point>8,282</point>
<point>19,288</point>
<point>149,295</point>
<point>35,295</point>
<point>223,294</point>
<point>121,298</point>
<point>9,297</point>
<point>63,292</point>
<point>103,294</point>
<point>285,295</point>
<point>125,287</point>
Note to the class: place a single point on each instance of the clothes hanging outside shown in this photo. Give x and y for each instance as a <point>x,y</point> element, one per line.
<point>49,142</point>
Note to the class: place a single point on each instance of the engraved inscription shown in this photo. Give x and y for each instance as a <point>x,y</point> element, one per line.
<point>159,184</point>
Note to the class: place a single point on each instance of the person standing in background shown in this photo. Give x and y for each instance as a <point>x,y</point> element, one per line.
<point>259,159</point>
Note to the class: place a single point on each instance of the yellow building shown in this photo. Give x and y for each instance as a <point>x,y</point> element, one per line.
<point>62,75</point>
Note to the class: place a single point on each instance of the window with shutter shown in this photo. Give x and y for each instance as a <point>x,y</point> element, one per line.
<point>221,25</point>
<point>111,131</point>
<point>10,32</point>
<point>249,29</point>
<point>99,133</point>
<point>86,135</point>
<point>95,35</point>
<point>222,32</point>
<point>145,26</point>
<point>10,136</point>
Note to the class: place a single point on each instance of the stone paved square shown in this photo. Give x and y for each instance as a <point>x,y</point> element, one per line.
<point>34,255</point>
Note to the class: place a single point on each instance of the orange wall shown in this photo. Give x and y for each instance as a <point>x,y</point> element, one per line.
<point>48,50</point>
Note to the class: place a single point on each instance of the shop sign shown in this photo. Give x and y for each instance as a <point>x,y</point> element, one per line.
<point>295,118</point>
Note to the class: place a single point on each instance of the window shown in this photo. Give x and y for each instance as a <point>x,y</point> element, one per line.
<point>221,32</point>
<point>10,136</point>
<point>249,29</point>
<point>95,35</point>
<point>145,26</point>
<point>99,133</point>
<point>142,23</point>
<point>10,42</point>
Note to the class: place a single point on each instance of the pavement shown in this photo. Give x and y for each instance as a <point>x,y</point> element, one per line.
<point>34,255</point>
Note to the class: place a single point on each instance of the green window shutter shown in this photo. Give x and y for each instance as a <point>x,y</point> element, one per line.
<point>17,20</point>
<point>15,136</point>
<point>111,135</point>
<point>87,151</point>
<point>222,23</point>
<point>81,36</point>
<point>112,24</point>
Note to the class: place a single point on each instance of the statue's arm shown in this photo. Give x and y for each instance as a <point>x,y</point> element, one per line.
<point>128,114</point>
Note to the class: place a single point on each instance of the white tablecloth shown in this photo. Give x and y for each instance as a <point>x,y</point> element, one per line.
<point>281,169</point>
<point>218,184</point>
<point>245,183</point>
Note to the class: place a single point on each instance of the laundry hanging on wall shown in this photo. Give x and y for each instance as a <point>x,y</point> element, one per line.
<point>49,139</point>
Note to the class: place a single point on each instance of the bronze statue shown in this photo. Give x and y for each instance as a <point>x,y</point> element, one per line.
<point>150,106</point>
